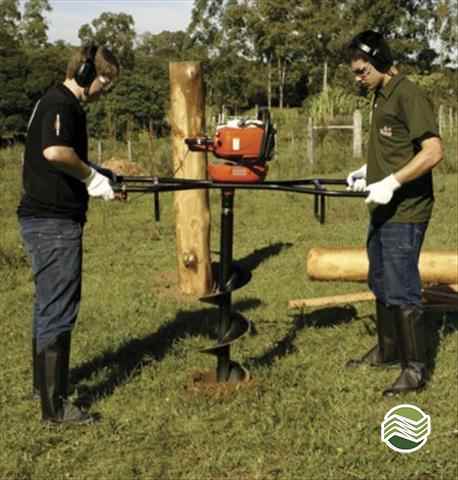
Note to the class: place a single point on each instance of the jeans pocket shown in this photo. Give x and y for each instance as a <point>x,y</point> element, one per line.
<point>398,237</point>
<point>61,231</point>
<point>43,234</point>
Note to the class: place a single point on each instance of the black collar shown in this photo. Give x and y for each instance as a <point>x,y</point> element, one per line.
<point>68,93</point>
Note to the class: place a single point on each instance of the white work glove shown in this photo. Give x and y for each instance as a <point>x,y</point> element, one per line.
<point>356,180</point>
<point>98,185</point>
<point>382,192</point>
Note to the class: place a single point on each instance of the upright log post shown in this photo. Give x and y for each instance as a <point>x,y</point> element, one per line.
<point>187,119</point>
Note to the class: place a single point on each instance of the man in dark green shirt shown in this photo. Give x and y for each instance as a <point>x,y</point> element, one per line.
<point>404,146</point>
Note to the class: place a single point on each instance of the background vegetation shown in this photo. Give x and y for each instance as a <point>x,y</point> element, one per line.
<point>278,53</point>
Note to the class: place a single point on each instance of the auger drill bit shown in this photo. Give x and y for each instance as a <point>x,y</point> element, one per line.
<point>231,326</point>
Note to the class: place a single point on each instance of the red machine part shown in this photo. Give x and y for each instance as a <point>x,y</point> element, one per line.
<point>229,173</point>
<point>241,146</point>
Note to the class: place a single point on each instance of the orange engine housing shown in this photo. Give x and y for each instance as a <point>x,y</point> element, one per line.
<point>238,143</point>
<point>243,148</point>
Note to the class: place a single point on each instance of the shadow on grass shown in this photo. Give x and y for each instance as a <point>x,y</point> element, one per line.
<point>127,360</point>
<point>254,259</point>
<point>259,255</point>
<point>121,365</point>
<point>323,318</point>
<point>439,325</point>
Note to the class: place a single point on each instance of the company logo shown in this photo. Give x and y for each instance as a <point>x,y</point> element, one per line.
<point>405,428</point>
<point>386,131</point>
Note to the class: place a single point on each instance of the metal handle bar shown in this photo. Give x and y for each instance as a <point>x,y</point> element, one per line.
<point>316,186</point>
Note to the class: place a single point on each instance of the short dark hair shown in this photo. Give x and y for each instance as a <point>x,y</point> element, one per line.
<point>105,62</point>
<point>371,47</point>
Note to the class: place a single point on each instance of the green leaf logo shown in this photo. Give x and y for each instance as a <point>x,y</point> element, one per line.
<point>405,428</point>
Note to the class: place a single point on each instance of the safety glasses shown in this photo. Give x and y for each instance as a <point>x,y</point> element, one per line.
<point>362,72</point>
<point>105,82</point>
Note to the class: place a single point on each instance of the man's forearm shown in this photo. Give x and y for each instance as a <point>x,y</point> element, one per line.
<point>424,161</point>
<point>67,160</point>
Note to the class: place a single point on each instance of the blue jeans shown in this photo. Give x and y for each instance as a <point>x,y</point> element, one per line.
<point>394,250</point>
<point>55,248</point>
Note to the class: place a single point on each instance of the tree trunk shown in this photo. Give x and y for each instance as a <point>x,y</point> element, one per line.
<point>282,81</point>
<point>269,84</point>
<point>187,119</point>
<point>325,76</point>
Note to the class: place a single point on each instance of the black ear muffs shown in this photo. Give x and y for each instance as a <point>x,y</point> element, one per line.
<point>377,59</point>
<point>86,72</point>
<point>375,47</point>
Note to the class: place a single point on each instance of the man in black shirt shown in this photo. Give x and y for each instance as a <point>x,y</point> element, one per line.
<point>57,182</point>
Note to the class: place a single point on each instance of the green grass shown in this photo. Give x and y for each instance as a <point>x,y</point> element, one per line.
<point>135,350</point>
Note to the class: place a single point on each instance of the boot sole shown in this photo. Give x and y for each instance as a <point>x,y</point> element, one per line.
<point>394,393</point>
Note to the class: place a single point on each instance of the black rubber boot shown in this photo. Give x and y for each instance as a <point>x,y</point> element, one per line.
<point>385,353</point>
<point>412,343</point>
<point>53,367</point>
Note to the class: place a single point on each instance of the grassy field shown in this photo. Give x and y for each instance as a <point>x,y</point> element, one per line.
<point>303,416</point>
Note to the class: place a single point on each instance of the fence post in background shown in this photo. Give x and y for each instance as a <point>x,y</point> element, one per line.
<point>441,119</point>
<point>357,134</point>
<point>129,150</point>
<point>187,119</point>
<point>310,146</point>
<point>450,120</point>
<point>99,152</point>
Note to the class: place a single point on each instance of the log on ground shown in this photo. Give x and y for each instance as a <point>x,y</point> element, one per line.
<point>351,264</point>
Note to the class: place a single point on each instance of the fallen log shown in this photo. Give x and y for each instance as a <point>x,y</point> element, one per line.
<point>344,299</point>
<point>441,294</point>
<point>351,264</point>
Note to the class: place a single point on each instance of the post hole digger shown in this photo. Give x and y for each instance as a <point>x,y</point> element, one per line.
<point>240,151</point>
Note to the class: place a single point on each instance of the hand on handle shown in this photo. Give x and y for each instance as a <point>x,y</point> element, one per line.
<point>356,180</point>
<point>382,192</point>
<point>98,185</point>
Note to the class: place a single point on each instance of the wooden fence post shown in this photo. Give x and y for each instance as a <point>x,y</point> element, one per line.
<point>310,145</point>
<point>99,152</point>
<point>129,150</point>
<point>357,134</point>
<point>441,119</point>
<point>187,119</point>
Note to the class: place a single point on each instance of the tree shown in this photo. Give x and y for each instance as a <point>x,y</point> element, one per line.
<point>39,79</point>
<point>405,23</point>
<point>115,31</point>
<point>13,100</point>
<point>444,30</point>
<point>165,46</point>
<point>34,25</point>
<point>274,27</point>
<point>10,17</point>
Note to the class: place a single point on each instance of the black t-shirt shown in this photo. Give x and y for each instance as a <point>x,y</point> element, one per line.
<point>57,120</point>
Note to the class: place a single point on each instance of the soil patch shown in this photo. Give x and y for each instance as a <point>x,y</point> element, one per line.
<point>124,167</point>
<point>203,383</point>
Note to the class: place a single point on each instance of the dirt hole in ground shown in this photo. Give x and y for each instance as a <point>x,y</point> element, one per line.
<point>203,383</point>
